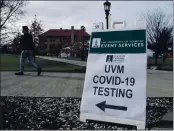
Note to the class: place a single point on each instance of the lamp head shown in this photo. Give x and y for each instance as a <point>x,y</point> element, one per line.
<point>107,6</point>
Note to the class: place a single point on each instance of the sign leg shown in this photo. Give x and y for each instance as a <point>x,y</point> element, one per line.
<point>141,126</point>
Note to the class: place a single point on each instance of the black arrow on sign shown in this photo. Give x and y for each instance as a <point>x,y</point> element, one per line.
<point>103,106</point>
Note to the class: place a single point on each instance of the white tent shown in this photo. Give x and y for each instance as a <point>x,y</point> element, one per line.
<point>150,53</point>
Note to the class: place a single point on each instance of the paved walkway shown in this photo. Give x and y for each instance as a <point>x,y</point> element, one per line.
<point>46,85</point>
<point>73,62</point>
<point>166,123</point>
<point>159,84</point>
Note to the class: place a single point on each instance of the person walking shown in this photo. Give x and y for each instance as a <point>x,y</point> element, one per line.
<point>27,48</point>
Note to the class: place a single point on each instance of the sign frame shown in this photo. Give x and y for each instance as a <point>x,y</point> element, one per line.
<point>119,23</point>
<point>86,116</point>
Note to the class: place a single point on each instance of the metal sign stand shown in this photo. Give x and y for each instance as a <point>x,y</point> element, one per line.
<point>84,116</point>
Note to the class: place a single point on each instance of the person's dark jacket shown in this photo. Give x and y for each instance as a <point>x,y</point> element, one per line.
<point>26,42</point>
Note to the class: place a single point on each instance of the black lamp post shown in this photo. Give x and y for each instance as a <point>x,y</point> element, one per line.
<point>107,6</point>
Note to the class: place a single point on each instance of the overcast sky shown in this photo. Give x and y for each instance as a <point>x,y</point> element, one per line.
<point>56,14</point>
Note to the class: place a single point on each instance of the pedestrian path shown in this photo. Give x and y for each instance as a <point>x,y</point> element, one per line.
<point>73,62</point>
<point>166,123</point>
<point>168,116</point>
<point>57,84</point>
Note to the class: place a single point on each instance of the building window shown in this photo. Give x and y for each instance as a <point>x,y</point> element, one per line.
<point>45,46</point>
<point>52,40</point>
<point>58,39</point>
<point>50,46</point>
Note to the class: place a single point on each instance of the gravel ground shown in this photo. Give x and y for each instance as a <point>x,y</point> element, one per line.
<point>63,114</point>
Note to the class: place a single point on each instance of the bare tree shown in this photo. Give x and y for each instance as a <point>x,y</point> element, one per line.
<point>10,10</point>
<point>156,22</point>
<point>36,29</point>
<point>165,41</point>
<point>7,36</point>
<point>9,13</point>
<point>16,44</point>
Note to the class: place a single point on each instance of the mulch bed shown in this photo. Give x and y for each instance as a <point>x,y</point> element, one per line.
<point>19,113</point>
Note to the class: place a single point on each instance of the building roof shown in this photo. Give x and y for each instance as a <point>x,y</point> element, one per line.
<point>64,32</point>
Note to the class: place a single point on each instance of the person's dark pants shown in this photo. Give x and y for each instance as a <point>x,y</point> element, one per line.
<point>27,54</point>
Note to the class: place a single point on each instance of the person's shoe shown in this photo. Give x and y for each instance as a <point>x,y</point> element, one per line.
<point>39,70</point>
<point>19,73</point>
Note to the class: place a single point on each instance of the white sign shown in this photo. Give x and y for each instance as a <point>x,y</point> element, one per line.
<point>122,23</point>
<point>115,81</point>
<point>98,26</point>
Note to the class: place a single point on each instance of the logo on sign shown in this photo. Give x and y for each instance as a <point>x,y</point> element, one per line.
<point>115,58</point>
<point>96,43</point>
<point>109,58</point>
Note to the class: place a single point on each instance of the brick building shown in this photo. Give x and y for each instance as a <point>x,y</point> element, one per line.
<point>54,40</point>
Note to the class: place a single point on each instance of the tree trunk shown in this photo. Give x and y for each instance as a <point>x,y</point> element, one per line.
<point>156,59</point>
<point>164,57</point>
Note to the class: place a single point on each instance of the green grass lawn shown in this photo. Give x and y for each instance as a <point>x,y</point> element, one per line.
<point>11,63</point>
